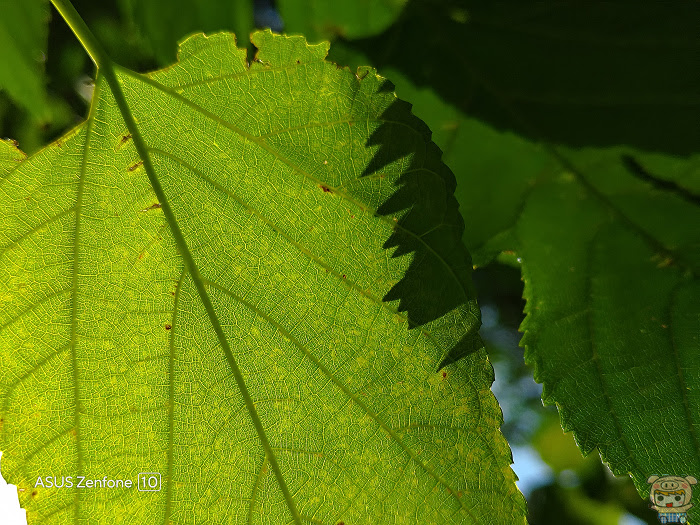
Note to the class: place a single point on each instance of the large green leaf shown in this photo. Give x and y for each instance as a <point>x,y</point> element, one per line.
<point>256,307</point>
<point>609,240</point>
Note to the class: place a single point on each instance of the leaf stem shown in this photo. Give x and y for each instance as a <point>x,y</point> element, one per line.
<point>82,32</point>
<point>108,69</point>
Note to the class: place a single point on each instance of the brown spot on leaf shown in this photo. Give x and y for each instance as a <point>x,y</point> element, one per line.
<point>298,61</point>
<point>33,493</point>
<point>444,375</point>
<point>154,206</point>
<point>168,326</point>
<point>325,189</point>
<point>344,276</point>
<point>125,139</point>
<point>134,166</point>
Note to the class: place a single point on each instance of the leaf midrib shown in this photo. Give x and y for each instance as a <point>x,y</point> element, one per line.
<point>74,293</point>
<point>109,71</point>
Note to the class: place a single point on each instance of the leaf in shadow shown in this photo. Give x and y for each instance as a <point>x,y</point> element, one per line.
<point>571,73</point>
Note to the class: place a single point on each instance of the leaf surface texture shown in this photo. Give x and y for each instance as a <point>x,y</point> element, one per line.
<point>327,268</point>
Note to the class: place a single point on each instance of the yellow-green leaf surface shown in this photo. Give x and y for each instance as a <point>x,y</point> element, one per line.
<point>266,335</point>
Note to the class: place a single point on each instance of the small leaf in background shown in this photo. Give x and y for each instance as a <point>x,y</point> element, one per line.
<point>340,18</point>
<point>23,45</point>
<point>162,23</point>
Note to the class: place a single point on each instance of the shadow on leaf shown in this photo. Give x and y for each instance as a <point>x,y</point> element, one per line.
<point>436,291</point>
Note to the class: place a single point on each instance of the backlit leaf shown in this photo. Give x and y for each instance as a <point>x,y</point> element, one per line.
<point>268,335</point>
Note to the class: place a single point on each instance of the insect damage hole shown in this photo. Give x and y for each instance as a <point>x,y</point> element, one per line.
<point>134,166</point>
<point>154,206</point>
<point>122,141</point>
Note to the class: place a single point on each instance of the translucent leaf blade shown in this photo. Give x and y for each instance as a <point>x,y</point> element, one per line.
<point>297,188</point>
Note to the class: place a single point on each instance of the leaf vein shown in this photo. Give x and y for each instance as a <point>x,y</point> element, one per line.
<point>343,388</point>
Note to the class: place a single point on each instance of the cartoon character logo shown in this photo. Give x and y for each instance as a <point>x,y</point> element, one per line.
<point>670,497</point>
